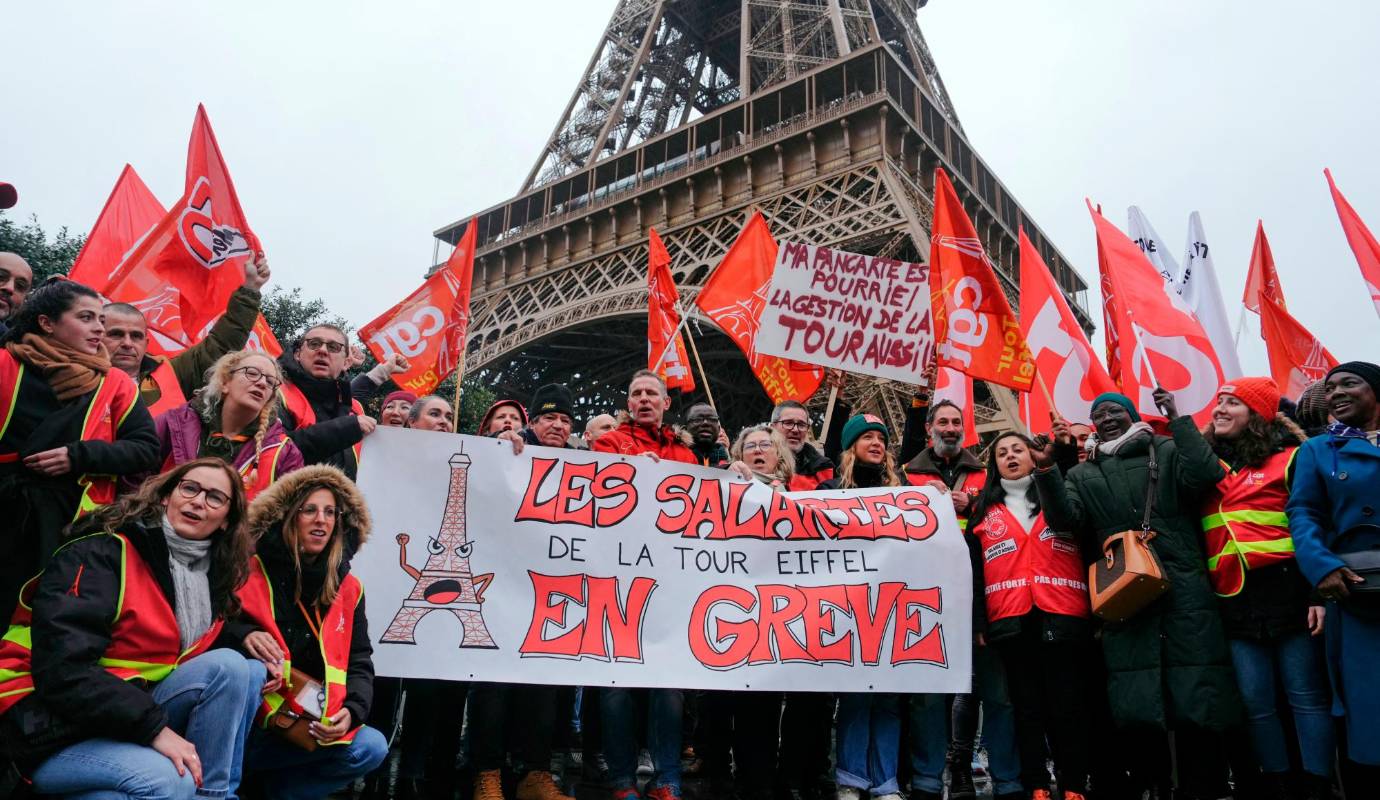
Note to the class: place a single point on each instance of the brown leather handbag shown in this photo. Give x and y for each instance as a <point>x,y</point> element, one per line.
<point>1129,575</point>
<point>292,721</point>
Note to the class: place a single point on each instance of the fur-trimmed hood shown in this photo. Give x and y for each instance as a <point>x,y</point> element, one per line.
<point>267,511</point>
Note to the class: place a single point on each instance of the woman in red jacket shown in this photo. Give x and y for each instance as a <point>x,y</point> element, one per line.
<point>1037,614</point>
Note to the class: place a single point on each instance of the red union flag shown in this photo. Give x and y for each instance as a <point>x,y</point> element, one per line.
<point>205,259</point>
<point>1064,360</point>
<point>734,297</point>
<point>429,326</point>
<point>665,357</point>
<point>1362,242</point>
<point>1262,282</point>
<point>1297,358</point>
<point>1158,337</point>
<point>975,328</point>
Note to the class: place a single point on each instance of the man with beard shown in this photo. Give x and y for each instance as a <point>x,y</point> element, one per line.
<point>166,383</point>
<point>702,422</point>
<point>946,465</point>
<point>811,466</point>
<point>552,420</point>
<point>16,278</point>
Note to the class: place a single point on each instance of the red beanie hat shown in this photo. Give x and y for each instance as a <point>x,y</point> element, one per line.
<point>1260,395</point>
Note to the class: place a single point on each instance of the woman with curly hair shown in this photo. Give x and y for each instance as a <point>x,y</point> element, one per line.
<point>121,694</point>
<point>1264,598</point>
<point>762,454</point>
<point>234,418</point>
<point>304,617</point>
<point>70,425</point>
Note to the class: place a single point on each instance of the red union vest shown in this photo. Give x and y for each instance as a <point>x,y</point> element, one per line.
<point>1040,568</point>
<point>110,404</point>
<point>170,389</point>
<point>144,639</point>
<point>337,627</point>
<point>304,415</point>
<point>1244,523</point>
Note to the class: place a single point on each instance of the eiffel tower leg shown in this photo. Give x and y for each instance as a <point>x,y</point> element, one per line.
<point>474,632</point>
<point>403,628</point>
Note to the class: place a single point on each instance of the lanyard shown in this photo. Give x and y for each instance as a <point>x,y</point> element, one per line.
<point>315,629</point>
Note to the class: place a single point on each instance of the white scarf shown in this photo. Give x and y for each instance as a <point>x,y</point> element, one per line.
<point>1017,503</point>
<point>190,561</point>
<point>1132,433</point>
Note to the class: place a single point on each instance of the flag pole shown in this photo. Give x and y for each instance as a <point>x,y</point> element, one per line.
<point>1044,390</point>
<point>829,410</point>
<point>459,375</point>
<point>695,351</point>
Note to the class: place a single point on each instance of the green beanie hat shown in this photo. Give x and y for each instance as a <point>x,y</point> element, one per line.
<point>862,423</point>
<point>1120,399</point>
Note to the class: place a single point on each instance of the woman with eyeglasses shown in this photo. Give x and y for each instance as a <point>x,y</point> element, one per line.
<point>304,618</point>
<point>761,453</point>
<point>321,413</point>
<point>109,686</point>
<point>234,418</point>
<point>70,426</point>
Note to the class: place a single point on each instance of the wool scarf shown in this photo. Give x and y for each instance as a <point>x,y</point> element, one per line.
<point>1018,501</point>
<point>70,372</point>
<point>190,560</point>
<point>1132,434</point>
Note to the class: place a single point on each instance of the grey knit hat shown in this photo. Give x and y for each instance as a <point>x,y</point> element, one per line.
<point>1312,407</point>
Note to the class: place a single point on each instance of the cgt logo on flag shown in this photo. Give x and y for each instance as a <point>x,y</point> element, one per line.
<point>209,243</point>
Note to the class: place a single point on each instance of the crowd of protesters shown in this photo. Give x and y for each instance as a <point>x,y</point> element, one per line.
<point>176,569</point>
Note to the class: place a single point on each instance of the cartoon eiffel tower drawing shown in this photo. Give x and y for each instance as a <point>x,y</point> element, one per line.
<point>445,582</point>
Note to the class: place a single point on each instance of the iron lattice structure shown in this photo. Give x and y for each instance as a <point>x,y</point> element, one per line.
<point>827,115</point>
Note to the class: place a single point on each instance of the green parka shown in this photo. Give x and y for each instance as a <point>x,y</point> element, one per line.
<point>1169,664</point>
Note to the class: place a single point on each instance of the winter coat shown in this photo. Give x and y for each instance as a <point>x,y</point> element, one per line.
<point>266,517</point>
<point>811,464</point>
<point>1169,664</point>
<point>230,333</point>
<point>631,439</point>
<point>1336,487</point>
<point>952,473</point>
<point>529,436</point>
<point>336,430</point>
<point>180,433</point>
<point>715,455</point>
<point>74,697</point>
<point>36,507</point>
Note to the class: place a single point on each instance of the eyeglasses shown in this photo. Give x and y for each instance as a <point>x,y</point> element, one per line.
<point>215,498</point>
<point>311,511</point>
<point>332,347</point>
<point>793,424</point>
<point>750,447</point>
<point>254,375</point>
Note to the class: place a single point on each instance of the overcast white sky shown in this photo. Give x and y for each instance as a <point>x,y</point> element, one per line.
<point>353,130</point>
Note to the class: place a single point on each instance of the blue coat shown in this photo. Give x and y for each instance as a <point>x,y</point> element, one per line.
<point>1336,486</point>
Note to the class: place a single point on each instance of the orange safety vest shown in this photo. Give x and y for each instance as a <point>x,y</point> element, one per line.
<point>971,485</point>
<point>170,389</point>
<point>1023,569</point>
<point>144,639</point>
<point>337,628</point>
<point>1244,523</point>
<point>303,414</point>
<point>111,403</point>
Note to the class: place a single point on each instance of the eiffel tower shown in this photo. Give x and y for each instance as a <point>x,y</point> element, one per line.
<point>827,115</point>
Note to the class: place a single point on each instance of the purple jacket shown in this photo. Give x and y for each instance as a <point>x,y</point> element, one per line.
<point>179,437</point>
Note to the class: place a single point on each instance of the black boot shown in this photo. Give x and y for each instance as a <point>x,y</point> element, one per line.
<point>961,780</point>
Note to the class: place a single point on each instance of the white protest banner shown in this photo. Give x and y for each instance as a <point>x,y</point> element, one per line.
<point>577,568</point>
<point>858,313</point>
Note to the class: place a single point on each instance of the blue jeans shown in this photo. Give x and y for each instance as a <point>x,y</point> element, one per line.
<point>930,732</point>
<point>664,710</point>
<point>210,701</point>
<point>289,772</point>
<point>869,742</point>
<point>1293,659</point>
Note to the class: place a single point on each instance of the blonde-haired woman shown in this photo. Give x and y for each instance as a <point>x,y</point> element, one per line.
<point>761,453</point>
<point>303,607</point>
<point>234,418</point>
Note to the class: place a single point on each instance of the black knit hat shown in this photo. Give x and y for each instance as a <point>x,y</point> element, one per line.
<point>553,397</point>
<point>1366,371</point>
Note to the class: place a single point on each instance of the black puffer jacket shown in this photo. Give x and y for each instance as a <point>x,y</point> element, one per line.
<point>74,602</point>
<point>266,518</point>
<point>336,430</point>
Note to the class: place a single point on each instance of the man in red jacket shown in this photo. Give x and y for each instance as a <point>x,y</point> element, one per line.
<point>644,434</point>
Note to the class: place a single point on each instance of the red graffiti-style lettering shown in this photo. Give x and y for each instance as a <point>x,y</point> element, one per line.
<point>580,493</point>
<point>731,626</point>
<point>675,489</point>
<point>611,628</point>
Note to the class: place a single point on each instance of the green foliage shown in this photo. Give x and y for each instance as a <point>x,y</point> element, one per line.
<point>31,242</point>
<point>474,401</point>
<point>290,315</point>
